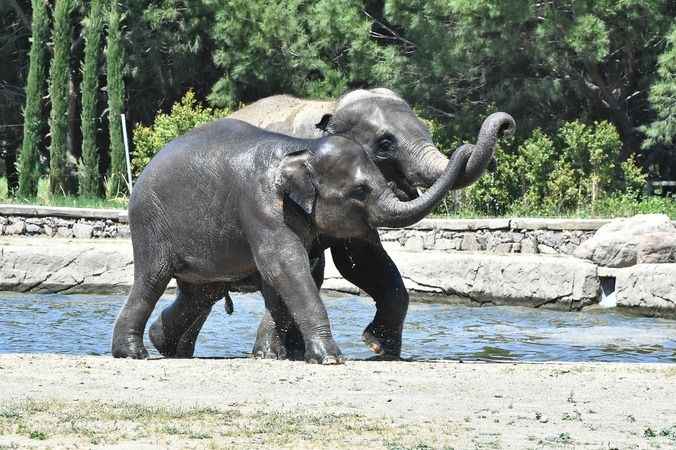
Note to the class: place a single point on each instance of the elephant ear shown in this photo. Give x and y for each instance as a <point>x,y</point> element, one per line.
<point>326,124</point>
<point>296,180</point>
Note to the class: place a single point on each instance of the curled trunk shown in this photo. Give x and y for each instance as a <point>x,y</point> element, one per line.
<point>391,212</point>
<point>479,155</point>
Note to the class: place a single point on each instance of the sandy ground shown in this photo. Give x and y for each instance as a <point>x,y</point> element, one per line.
<point>52,401</point>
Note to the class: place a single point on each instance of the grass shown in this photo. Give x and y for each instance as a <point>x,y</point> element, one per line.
<point>44,198</point>
<point>83,424</point>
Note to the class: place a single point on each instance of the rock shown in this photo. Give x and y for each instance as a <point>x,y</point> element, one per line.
<point>414,243</point>
<point>33,229</point>
<point>83,231</point>
<point>429,239</point>
<point>447,244</point>
<point>16,228</point>
<point>529,245</point>
<point>650,286</point>
<point>546,250</point>
<point>470,243</point>
<point>64,232</point>
<point>656,248</point>
<point>616,243</point>
<point>554,282</point>
<point>45,265</point>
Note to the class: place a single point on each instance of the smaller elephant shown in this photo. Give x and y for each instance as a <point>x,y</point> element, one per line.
<point>229,202</point>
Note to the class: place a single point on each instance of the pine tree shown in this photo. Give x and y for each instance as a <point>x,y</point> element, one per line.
<point>663,98</point>
<point>34,122</point>
<point>115,64</point>
<point>89,166</point>
<point>59,77</point>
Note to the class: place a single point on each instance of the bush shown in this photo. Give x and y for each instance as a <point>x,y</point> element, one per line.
<point>573,171</point>
<point>184,116</point>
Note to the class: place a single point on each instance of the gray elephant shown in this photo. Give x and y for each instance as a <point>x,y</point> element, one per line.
<point>402,149</point>
<point>229,202</point>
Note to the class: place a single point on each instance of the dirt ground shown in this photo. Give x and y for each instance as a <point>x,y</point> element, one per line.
<point>52,401</point>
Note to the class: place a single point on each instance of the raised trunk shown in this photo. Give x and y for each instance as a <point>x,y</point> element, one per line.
<point>391,212</point>
<point>479,155</point>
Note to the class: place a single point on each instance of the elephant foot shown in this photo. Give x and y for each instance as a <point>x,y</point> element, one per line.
<point>323,351</point>
<point>166,344</point>
<point>129,346</point>
<point>382,342</point>
<point>269,346</point>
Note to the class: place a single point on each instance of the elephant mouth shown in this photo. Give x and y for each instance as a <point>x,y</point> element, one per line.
<point>404,190</point>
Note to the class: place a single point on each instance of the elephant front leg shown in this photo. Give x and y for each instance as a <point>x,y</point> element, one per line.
<point>278,337</point>
<point>287,273</point>
<point>370,268</point>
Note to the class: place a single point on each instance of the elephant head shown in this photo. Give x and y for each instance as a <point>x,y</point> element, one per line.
<point>401,145</point>
<point>344,192</point>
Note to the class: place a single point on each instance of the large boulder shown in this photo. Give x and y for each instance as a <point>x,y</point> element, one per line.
<point>620,242</point>
<point>647,286</point>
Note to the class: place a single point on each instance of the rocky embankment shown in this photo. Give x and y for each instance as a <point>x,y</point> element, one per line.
<point>563,264</point>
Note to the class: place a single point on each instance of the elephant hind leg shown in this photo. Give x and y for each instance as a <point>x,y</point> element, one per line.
<point>175,331</point>
<point>149,285</point>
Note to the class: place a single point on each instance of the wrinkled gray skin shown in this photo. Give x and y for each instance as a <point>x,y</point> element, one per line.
<point>229,202</point>
<point>402,148</point>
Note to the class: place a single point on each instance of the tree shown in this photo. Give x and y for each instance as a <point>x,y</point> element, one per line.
<point>307,48</point>
<point>89,178</point>
<point>661,133</point>
<point>59,76</point>
<point>14,49</point>
<point>29,170</point>
<point>544,62</point>
<point>115,65</point>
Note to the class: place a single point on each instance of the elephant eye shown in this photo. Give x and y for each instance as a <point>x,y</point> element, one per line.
<point>385,146</point>
<point>360,192</point>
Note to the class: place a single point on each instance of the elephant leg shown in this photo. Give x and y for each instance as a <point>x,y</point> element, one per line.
<point>130,324</point>
<point>370,268</point>
<point>175,331</point>
<point>278,337</point>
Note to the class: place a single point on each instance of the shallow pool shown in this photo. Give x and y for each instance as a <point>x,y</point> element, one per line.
<point>82,324</point>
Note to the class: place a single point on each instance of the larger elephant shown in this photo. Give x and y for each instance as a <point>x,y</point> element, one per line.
<point>402,148</point>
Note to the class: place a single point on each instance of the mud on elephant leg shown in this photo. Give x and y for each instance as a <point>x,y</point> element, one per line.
<point>175,331</point>
<point>370,268</point>
<point>278,337</point>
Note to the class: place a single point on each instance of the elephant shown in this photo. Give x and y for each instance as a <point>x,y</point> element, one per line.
<point>401,146</point>
<point>228,202</point>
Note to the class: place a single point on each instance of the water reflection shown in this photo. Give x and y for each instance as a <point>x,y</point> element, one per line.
<point>82,325</point>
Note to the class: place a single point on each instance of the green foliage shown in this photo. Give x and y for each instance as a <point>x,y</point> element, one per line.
<point>184,116</point>
<point>115,185</point>
<point>301,47</point>
<point>574,170</point>
<point>662,131</point>
<point>59,77</point>
<point>34,121</point>
<point>43,197</point>
<point>90,180</point>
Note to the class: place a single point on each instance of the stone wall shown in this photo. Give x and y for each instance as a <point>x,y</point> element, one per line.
<point>529,236</point>
<point>502,236</point>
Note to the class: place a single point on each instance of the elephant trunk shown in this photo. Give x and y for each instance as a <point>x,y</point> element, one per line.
<point>391,212</point>
<point>479,154</point>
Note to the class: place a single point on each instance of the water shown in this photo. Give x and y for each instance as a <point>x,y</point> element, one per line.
<point>82,324</point>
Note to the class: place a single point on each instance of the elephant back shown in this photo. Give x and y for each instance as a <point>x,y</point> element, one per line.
<point>286,114</point>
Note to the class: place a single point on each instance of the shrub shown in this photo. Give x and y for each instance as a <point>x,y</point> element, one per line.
<point>574,170</point>
<point>184,116</point>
